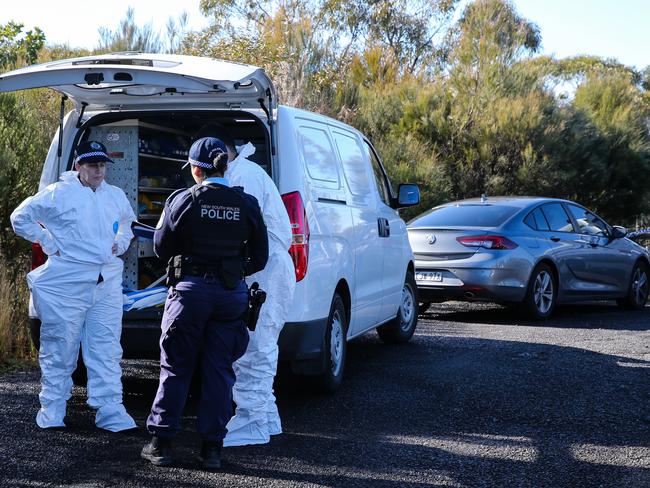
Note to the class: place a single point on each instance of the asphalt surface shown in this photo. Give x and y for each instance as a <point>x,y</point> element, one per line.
<point>479,398</point>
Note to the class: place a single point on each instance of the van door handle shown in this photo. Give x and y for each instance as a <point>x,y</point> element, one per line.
<point>383,227</point>
<point>555,239</point>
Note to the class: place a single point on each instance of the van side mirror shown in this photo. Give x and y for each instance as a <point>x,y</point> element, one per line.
<point>618,232</point>
<point>408,195</point>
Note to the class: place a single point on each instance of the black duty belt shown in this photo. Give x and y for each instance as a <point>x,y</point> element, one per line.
<point>230,274</point>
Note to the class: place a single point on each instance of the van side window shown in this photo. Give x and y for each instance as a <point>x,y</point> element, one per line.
<point>319,157</point>
<point>384,192</point>
<point>354,166</point>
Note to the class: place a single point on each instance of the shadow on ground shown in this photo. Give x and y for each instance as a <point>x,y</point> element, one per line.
<point>439,411</point>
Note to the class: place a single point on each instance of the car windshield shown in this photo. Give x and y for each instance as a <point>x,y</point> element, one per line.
<point>466,215</point>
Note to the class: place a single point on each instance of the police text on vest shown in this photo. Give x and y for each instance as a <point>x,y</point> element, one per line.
<point>219,212</point>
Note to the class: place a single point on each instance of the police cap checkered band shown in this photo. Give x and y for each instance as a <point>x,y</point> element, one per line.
<point>91,152</point>
<point>90,155</point>
<point>200,164</point>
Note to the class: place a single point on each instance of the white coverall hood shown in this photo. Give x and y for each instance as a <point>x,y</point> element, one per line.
<point>256,417</point>
<point>77,227</point>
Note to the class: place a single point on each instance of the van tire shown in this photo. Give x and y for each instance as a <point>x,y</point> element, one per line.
<point>334,348</point>
<point>402,327</point>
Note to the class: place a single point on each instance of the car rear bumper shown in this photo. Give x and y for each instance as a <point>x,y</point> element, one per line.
<point>498,285</point>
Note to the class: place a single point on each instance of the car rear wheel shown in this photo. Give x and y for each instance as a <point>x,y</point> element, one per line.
<point>334,348</point>
<point>401,328</point>
<point>541,296</point>
<point>637,293</point>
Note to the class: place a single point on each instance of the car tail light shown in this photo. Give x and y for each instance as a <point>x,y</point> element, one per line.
<point>38,256</point>
<point>299,249</point>
<point>487,242</point>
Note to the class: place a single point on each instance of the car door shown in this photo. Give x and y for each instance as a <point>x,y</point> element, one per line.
<point>609,265</point>
<point>569,252</point>
<point>368,250</point>
<point>393,236</point>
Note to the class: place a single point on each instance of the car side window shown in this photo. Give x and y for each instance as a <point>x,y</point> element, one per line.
<point>542,224</point>
<point>536,220</point>
<point>587,222</point>
<point>354,167</point>
<point>557,218</point>
<point>319,157</point>
<point>530,221</point>
<point>384,192</point>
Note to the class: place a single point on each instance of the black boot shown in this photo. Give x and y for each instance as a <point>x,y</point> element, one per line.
<point>211,454</point>
<point>158,451</point>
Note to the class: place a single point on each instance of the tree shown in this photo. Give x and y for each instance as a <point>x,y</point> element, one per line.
<point>309,47</point>
<point>614,104</point>
<point>17,47</point>
<point>129,36</point>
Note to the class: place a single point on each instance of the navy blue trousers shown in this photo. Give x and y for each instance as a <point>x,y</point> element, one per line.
<point>200,328</point>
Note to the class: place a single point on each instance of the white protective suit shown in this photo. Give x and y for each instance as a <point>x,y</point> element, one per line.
<point>77,227</point>
<point>256,417</point>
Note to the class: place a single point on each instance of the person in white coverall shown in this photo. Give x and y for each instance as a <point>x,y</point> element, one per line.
<point>83,224</point>
<point>256,417</point>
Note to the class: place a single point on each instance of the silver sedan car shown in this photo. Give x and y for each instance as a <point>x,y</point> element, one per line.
<point>536,252</point>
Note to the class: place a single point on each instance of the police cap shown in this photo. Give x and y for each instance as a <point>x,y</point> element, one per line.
<point>91,152</point>
<point>204,151</point>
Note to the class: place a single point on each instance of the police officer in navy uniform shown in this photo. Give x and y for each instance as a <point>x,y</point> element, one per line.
<point>212,235</point>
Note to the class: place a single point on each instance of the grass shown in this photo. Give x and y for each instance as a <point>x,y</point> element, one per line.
<point>16,349</point>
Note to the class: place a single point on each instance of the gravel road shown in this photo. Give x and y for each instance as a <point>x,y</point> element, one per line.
<point>479,398</point>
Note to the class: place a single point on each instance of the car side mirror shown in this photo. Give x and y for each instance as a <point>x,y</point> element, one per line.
<point>408,195</point>
<point>618,232</point>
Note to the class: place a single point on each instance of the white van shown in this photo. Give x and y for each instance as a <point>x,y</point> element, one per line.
<point>353,261</point>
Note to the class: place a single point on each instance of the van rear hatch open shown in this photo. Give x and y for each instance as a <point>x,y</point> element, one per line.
<point>146,109</point>
<point>128,81</point>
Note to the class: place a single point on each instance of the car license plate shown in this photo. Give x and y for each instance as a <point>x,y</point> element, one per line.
<point>428,276</point>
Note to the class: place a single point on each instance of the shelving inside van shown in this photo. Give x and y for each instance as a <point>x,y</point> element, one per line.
<point>150,151</point>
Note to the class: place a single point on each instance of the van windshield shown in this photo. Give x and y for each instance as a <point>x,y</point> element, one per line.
<point>467,215</point>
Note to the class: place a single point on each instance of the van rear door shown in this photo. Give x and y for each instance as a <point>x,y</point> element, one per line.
<point>127,81</point>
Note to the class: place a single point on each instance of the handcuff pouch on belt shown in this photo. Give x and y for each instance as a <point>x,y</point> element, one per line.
<point>229,272</point>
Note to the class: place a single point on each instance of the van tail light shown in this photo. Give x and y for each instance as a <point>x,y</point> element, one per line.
<point>299,250</point>
<point>38,256</point>
<point>487,242</point>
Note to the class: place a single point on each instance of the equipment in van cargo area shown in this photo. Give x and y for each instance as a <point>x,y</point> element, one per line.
<point>352,259</point>
<point>149,154</point>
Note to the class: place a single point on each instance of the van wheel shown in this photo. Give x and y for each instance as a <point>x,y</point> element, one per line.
<point>637,292</point>
<point>401,328</point>
<point>335,347</point>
